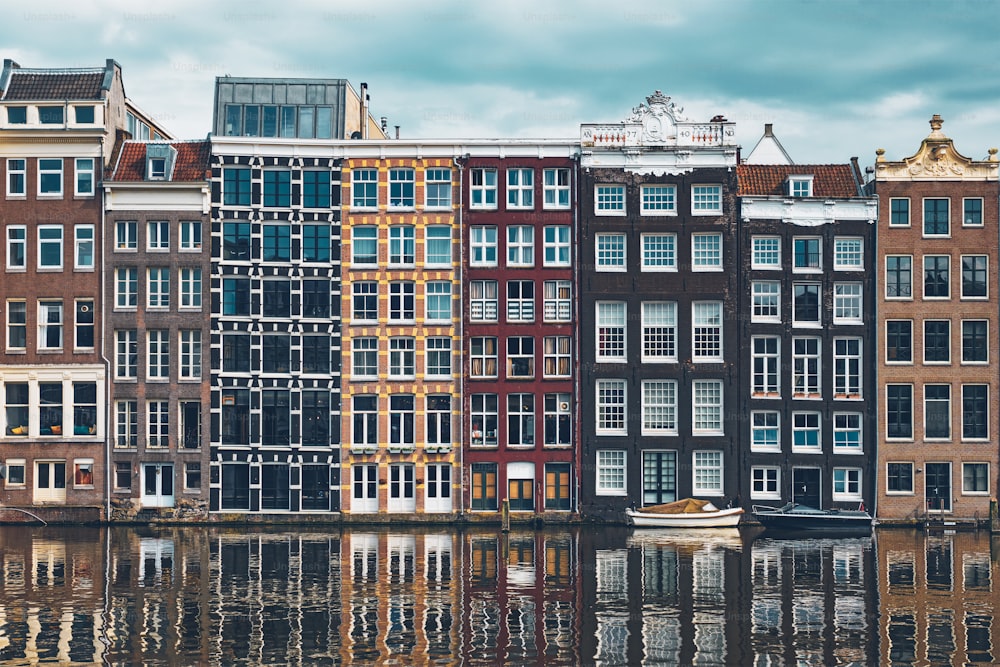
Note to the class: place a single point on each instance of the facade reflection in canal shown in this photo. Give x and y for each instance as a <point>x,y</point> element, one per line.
<point>482,597</point>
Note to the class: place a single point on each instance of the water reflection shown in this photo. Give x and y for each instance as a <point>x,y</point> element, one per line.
<point>481,597</point>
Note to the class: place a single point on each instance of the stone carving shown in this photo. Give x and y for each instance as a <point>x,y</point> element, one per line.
<point>936,158</point>
<point>658,116</point>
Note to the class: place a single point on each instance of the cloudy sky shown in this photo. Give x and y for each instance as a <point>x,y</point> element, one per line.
<point>838,78</point>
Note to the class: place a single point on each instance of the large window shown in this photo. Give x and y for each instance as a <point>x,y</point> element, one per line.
<point>484,486</point>
<point>315,243</point>
<point>658,200</point>
<point>437,188</point>
<point>976,478</point>
<point>846,484</point>
<point>437,301</point>
<point>766,301</point>
<point>277,243</point>
<point>235,353</point>
<point>364,302</point>
<point>936,276</point>
<point>438,421</point>
<point>16,406</point>
<point>806,304</point>
<point>50,325</point>
<point>898,341</point>
<point>659,252</point>
<point>16,177</point>
<point>275,417</point>
<point>157,424</point>
<point>558,420</point>
<point>484,418</point>
<point>520,357</point>
<point>975,341</point>
<point>609,200</point>
<point>17,325</point>
<point>558,356</point>
<point>659,407</point>
<point>975,411</point>
<point>898,277</point>
<point>190,345</point>
<point>659,331</point>
<point>610,249</point>
<point>706,331</point>
<point>316,298</point>
<point>158,236</point>
<point>847,307</point>
<point>899,478</point>
<point>611,325</point>
<point>364,432</point>
<point>126,353</point>
<point>316,188</point>
<point>611,417</point>
<point>847,432</point>
<point>437,356</point>
<point>555,188</point>
<point>520,188</point>
<point>437,246</point>
<point>706,252</point>
<point>975,276</point>
<point>50,247</point>
<point>364,188</point>
<point>402,357</point>
<point>807,254</point>
<point>84,324</point>
<point>158,287</point>
<point>972,212</point>
<point>402,417</point>
<point>402,248</point>
<point>611,472</point>
<point>765,431</point>
<point>766,252</point>
<point>275,353</point>
<point>848,254</point>
<point>402,301</point>
<point>50,177</point>
<point>83,247</point>
<point>483,188</point>
<point>521,420</point>
<point>765,483</point>
<point>766,366</point>
<point>17,247</point>
<point>483,244</point>
<point>936,218</point>
<point>707,408</point>
<point>158,354</point>
<point>937,341</point>
<point>937,411</point>
<point>558,305</point>
<point>520,245</point>
<point>236,186</point>
<point>235,296</point>
<point>316,353</point>
<point>276,298</point>
<point>707,473</point>
<point>556,246</point>
<point>805,367</point>
<point>364,246</point>
<point>483,301</point>
<point>401,188</point>
<point>706,199</point>
<point>899,212</point>
<point>483,357</point>
<point>520,301</point>
<point>364,358</point>
<point>847,368</point>
<point>190,284</point>
<point>899,411</point>
<point>806,433</point>
<point>235,241</point>
<point>126,424</point>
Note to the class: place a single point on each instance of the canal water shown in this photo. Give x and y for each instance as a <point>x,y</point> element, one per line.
<point>401,596</point>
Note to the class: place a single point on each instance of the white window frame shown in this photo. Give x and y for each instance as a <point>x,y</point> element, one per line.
<point>965,490</point>
<point>44,171</point>
<point>17,166</point>
<point>848,253</point>
<point>802,387</point>
<point>126,354</point>
<point>659,407</point>
<point>609,199</point>
<point>844,424</point>
<point>706,199</point>
<point>659,252</point>
<point>520,348</point>
<point>559,351</point>
<point>189,344</point>
<point>765,483</point>
<point>924,281</point>
<point>611,323</point>
<point>48,241</point>
<point>846,484</point>
<point>22,326</point>
<point>987,339</point>
<point>438,181</point>
<point>157,355</point>
<point>80,245</point>
<point>610,467</point>
<point>706,332</point>
<point>402,358</point>
<point>923,219</point>
<point>811,324</point>
<point>610,252</point>
<point>707,462</point>
<point>766,246</point>
<point>848,383</point>
<point>521,409</point>
<point>520,246</point>
<point>12,242</point>
<point>800,185</point>
<point>158,287</point>
<point>190,235</point>
<point>924,336</point>
<point>658,199</point>
<point>126,236</point>
<point>437,234</point>
<point>84,181</point>
<point>965,221</point>
<point>399,177</point>
<point>483,194</point>
<point>158,236</point>
<point>436,292</point>
<point>439,418</point>
<point>707,397</point>
<point>361,196</point>
<point>484,304</point>
<point>909,212</point>
<point>556,246</point>
<point>807,268</point>
<point>403,291</point>
<point>927,401</point>
<point>520,308</point>
<point>765,296</point>
<point>765,382</point>
<point>126,288</point>
<point>361,346</point>
<point>402,246</point>
<point>611,417</point>
<point>659,331</point>
<point>190,278</point>
<point>520,188</point>
<point>555,306</point>
<point>765,426</point>
<point>962,295</point>
<point>357,239</point>
<point>45,306</point>
<point>482,245</point>
<point>893,362</point>
<point>556,188</point>
<point>886,278</point>
<point>802,422</point>
<point>962,398</point>
<point>484,357</point>
<point>848,300</point>
<point>704,257</point>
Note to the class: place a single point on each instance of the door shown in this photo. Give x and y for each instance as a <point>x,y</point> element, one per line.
<point>50,481</point>
<point>806,487</point>
<point>937,489</point>
<point>364,488</point>
<point>402,488</point>
<point>659,477</point>
<point>157,485</point>
<point>438,487</point>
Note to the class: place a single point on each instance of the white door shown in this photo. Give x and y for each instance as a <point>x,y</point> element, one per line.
<point>402,488</point>
<point>437,487</point>
<point>157,485</point>
<point>364,488</point>
<point>50,481</point>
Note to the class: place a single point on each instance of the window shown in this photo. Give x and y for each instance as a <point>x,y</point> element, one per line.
<point>483,188</point>
<point>807,256</point>
<point>659,331</point>
<point>157,424</point>
<point>555,188</point>
<point>402,301</point>
<point>17,246</point>
<point>190,344</point>
<point>364,358</point>
<point>158,287</point>
<point>484,486</point>
<point>126,352</point>
<point>899,212</point>
<point>766,252</point>
<point>558,356</point>
<point>848,254</point>
<point>126,424</point>
<point>401,420</point>
<point>50,177</point>
<point>236,186</point>
<point>316,299</point>
<point>158,235</point>
<point>707,407</point>
<point>805,304</point>
<point>364,246</point>
<point>558,420</point>
<point>936,217</point>
<point>401,188</point>
<point>50,115</point>
<point>123,476</point>
<point>706,200</point>
<point>847,432</point>
<point>975,345</point>
<point>438,417</point>
<point>484,245</point>
<point>192,475</point>
<point>84,177</point>
<point>610,250</point>
<point>974,276</point>
<point>976,478</point>
<point>846,484</point>
<point>706,252</point>
<point>898,277</point>
<point>611,472</point>
<point>365,421</point>
<point>402,357</point>
<point>17,115</point>
<point>483,301</point>
<point>609,200</point>
<point>800,186</point>
<point>315,243</point>
<point>899,341</point>
<point>659,252</point>
<point>707,473</point>
<point>975,412</point>
<point>437,246</point>
<point>557,249</point>
<point>806,431</point>
<point>15,472</point>
<point>437,357</point>
<point>236,353</point>
<point>276,298</point>
<point>316,188</point>
<point>520,357</point>
<point>50,325</point>
<point>558,306</point>
<point>84,325</point>
<point>520,188</point>
<point>84,408</point>
<point>765,431</point>
<point>707,331</point>
<point>316,354</point>
<point>83,247</point>
<point>899,411</point>
<point>972,212</point>
<point>521,420</point>
<point>805,367</point>
<point>16,177</point>
<point>235,296</point>
<point>17,325</point>
<point>937,341</point>
<point>364,188</point>
<point>158,354</point>
<point>658,200</point>
<point>364,300</point>
<point>236,241</point>
<point>659,407</point>
<point>437,188</point>
<point>765,483</point>
<point>766,365</point>
<point>937,411</point>
<point>899,478</point>
<point>847,367</point>
<point>156,169</point>
<point>275,426</point>
<point>190,425</point>
<point>17,409</point>
<point>520,245</point>
<point>520,301</point>
<point>277,245</point>
<point>50,408</point>
<point>484,420</point>
<point>611,331</point>
<point>402,250</point>
<point>190,281</point>
<point>611,417</point>
<point>437,301</point>
<point>766,296</point>
<point>50,247</point>
<point>277,187</point>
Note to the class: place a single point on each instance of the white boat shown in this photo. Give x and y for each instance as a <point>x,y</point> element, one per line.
<point>687,513</point>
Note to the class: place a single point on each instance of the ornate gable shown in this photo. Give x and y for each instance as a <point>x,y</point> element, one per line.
<point>936,159</point>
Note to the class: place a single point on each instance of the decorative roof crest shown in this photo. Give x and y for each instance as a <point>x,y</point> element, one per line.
<point>658,105</point>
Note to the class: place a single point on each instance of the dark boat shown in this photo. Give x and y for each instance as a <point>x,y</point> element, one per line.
<point>796,518</point>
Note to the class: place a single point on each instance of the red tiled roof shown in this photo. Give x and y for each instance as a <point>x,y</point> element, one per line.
<point>61,85</point>
<point>829,180</point>
<point>192,161</point>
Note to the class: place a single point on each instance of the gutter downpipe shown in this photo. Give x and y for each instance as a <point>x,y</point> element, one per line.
<point>104,358</point>
<point>457,161</point>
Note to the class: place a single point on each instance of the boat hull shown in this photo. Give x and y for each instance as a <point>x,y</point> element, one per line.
<point>726,518</point>
<point>816,522</point>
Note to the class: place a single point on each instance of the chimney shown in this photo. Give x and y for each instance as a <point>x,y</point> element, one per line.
<point>768,129</point>
<point>364,110</point>
<point>397,130</point>
<point>385,125</point>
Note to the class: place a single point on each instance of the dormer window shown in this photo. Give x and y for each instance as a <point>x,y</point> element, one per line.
<point>84,114</point>
<point>157,168</point>
<point>50,115</point>
<point>159,161</point>
<point>17,115</point>
<point>800,186</point>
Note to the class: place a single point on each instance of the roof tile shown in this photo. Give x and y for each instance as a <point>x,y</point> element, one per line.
<point>41,85</point>
<point>829,180</point>
<point>192,161</point>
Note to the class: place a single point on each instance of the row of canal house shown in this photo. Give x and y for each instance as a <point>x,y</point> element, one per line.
<point>300,315</point>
